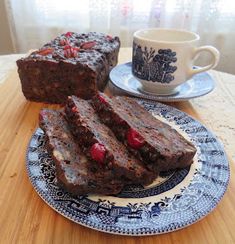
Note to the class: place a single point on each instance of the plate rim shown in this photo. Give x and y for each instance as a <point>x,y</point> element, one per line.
<point>153,232</point>
<point>153,97</point>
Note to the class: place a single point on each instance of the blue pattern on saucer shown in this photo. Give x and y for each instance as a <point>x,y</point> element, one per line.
<point>122,78</point>
<point>180,199</point>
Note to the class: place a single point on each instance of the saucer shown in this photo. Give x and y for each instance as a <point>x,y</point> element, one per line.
<point>199,85</point>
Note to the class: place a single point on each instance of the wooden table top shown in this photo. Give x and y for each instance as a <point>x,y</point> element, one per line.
<point>26,218</point>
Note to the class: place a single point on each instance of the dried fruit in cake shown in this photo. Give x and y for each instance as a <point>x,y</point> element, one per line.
<point>100,144</point>
<point>71,64</point>
<point>157,144</point>
<point>134,139</point>
<point>98,152</point>
<point>73,169</point>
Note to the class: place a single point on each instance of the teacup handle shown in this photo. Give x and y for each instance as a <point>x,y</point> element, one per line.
<point>215,54</point>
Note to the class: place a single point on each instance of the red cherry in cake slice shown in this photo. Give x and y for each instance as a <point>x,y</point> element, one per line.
<point>134,139</point>
<point>98,151</point>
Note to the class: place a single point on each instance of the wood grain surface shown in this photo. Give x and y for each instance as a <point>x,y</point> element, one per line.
<point>26,218</point>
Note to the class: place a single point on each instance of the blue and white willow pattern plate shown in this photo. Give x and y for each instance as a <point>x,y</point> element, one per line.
<point>199,85</point>
<point>175,200</point>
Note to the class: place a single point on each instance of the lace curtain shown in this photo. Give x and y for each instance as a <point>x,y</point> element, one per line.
<point>34,22</point>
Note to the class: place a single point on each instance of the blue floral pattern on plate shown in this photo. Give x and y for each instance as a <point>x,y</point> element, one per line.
<point>176,199</point>
<point>122,78</point>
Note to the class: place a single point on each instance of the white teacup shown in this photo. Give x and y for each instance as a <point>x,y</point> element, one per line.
<point>162,59</point>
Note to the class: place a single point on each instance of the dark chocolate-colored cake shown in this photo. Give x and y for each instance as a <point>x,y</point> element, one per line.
<point>71,64</point>
<point>155,143</point>
<point>72,167</point>
<point>101,145</point>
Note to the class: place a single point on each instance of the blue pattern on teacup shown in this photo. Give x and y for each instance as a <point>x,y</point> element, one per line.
<point>153,66</point>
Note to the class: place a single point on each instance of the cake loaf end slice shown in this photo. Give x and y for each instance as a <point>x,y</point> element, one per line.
<point>72,167</point>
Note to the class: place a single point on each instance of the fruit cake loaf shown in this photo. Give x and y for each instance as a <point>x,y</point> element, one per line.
<point>157,144</point>
<point>100,144</point>
<point>72,167</point>
<point>71,64</point>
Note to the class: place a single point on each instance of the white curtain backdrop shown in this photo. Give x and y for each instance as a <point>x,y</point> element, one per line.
<point>34,22</point>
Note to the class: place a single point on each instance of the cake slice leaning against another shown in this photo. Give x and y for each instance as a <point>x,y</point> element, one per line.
<point>155,143</point>
<point>72,167</point>
<point>101,145</point>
